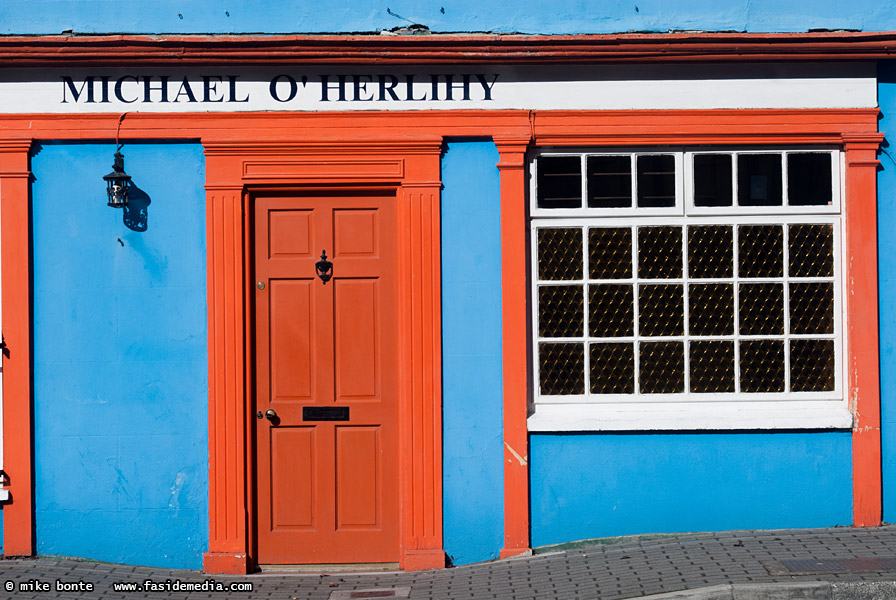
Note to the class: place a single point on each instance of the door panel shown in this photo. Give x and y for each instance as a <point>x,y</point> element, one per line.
<point>357,345</point>
<point>292,478</point>
<point>292,353</point>
<point>358,477</point>
<point>327,490</point>
<point>355,232</point>
<point>290,233</point>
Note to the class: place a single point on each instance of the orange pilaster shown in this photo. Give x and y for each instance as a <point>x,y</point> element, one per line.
<point>512,167</point>
<point>18,514</point>
<point>228,552</point>
<point>862,331</point>
<point>420,325</point>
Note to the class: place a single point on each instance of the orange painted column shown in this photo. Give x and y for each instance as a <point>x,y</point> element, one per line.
<point>862,325</point>
<point>512,167</point>
<point>226,386</point>
<point>421,361</point>
<point>18,514</point>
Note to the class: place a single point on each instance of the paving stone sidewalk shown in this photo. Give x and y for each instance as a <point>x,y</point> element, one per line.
<point>603,569</point>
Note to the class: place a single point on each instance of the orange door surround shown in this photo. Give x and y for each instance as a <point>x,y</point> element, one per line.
<point>328,490</point>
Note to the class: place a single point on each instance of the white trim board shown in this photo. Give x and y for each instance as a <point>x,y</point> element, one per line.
<point>331,88</point>
<point>690,416</point>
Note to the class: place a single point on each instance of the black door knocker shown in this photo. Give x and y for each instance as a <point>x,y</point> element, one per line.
<point>324,268</point>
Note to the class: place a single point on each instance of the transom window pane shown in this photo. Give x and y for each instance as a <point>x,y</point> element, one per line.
<point>560,182</point>
<point>609,181</point>
<point>712,180</point>
<point>656,180</point>
<point>759,180</point>
<point>702,307</point>
<point>809,179</point>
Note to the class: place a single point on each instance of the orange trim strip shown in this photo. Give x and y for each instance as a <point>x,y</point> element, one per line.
<point>15,213</point>
<point>226,370</point>
<point>862,326</point>
<point>515,344</point>
<point>365,130</point>
<point>114,50</point>
<point>420,326</point>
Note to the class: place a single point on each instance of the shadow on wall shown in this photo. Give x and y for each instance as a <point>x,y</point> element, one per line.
<point>136,213</point>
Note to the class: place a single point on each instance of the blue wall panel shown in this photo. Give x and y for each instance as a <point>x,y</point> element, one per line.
<point>120,357</point>
<point>527,16</point>
<point>472,405</point>
<point>886,225</point>
<point>600,485</point>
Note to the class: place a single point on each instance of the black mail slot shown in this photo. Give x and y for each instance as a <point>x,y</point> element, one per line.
<point>325,413</point>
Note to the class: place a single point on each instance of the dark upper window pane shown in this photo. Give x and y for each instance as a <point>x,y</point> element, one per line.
<point>712,180</point>
<point>656,181</point>
<point>809,179</point>
<point>609,181</point>
<point>759,180</point>
<point>559,182</point>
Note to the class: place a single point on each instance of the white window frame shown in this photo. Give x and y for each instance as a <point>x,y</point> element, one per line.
<point>683,411</point>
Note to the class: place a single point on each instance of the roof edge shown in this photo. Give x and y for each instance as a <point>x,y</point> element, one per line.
<point>94,50</point>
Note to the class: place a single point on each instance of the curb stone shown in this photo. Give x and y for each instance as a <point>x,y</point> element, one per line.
<point>820,590</point>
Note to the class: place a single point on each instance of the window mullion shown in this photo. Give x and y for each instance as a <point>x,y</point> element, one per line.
<point>686,309</point>
<point>636,312</point>
<point>786,271</point>
<point>586,276</point>
<point>735,256</point>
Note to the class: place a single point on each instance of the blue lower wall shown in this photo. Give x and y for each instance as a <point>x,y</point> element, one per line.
<point>120,358</point>
<point>886,225</point>
<point>472,405</point>
<point>601,485</point>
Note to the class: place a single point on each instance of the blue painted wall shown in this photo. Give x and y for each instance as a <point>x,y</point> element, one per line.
<point>120,359</point>
<point>601,485</point>
<point>472,404</point>
<point>886,225</point>
<point>526,16</point>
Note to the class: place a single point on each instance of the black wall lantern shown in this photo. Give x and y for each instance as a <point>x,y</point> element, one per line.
<point>117,182</point>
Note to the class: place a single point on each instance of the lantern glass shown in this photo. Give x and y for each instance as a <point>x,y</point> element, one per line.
<point>117,183</point>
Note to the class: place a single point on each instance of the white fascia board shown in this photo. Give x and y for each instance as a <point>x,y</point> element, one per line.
<point>235,88</point>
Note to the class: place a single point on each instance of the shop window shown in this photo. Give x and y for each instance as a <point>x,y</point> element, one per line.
<point>689,276</point>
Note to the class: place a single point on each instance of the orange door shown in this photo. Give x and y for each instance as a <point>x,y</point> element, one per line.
<point>326,366</point>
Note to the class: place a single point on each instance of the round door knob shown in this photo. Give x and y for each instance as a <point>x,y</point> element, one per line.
<point>270,414</point>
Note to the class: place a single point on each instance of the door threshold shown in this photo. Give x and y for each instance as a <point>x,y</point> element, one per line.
<point>329,568</point>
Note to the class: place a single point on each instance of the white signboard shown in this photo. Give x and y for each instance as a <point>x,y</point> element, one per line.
<point>325,88</point>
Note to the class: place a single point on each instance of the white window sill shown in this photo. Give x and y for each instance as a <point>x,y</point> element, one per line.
<point>685,416</point>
